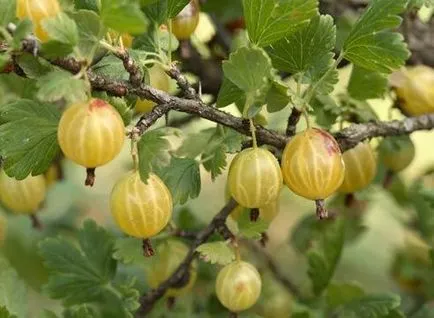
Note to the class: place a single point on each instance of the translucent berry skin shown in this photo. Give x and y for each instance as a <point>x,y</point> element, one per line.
<point>184,24</point>
<point>238,286</point>
<point>166,260</point>
<point>36,11</point>
<point>416,90</point>
<point>141,209</point>
<point>254,178</point>
<point>91,133</point>
<point>360,168</point>
<point>312,164</point>
<point>159,80</point>
<point>22,196</point>
<point>397,152</point>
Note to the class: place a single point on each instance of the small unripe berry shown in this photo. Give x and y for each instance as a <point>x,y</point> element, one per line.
<point>168,257</point>
<point>36,11</point>
<point>360,168</point>
<point>415,89</point>
<point>312,164</point>
<point>22,196</point>
<point>238,286</point>
<point>254,178</point>
<point>91,133</point>
<point>141,209</point>
<point>184,24</point>
<point>159,80</point>
<point>397,152</point>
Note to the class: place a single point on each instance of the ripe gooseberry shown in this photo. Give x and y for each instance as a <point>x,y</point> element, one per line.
<point>238,286</point>
<point>169,256</point>
<point>157,79</point>
<point>36,11</point>
<point>360,168</point>
<point>312,164</point>
<point>397,152</point>
<point>184,24</point>
<point>141,209</point>
<point>254,178</point>
<point>415,89</point>
<point>91,134</point>
<point>22,196</point>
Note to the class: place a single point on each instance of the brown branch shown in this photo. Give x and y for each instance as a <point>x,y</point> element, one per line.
<point>148,300</point>
<point>293,119</point>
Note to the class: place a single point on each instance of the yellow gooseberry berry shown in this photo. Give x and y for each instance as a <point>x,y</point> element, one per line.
<point>254,178</point>
<point>169,256</point>
<point>22,196</point>
<point>415,89</point>
<point>312,164</point>
<point>91,133</point>
<point>141,209</point>
<point>360,168</point>
<point>184,24</point>
<point>159,80</point>
<point>238,286</point>
<point>36,11</point>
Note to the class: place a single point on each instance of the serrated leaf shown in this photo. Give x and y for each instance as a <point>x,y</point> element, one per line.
<point>111,67</point>
<point>269,20</point>
<point>215,162</point>
<point>28,135</point>
<point>325,110</point>
<point>299,51</point>
<point>12,292</point>
<point>55,49</point>
<point>153,152</point>
<point>370,306</point>
<point>324,258</point>
<point>182,177</point>
<point>82,311</point>
<point>34,67</point>
<point>61,28</point>
<point>7,12</point>
<point>79,275</point>
<point>195,144</point>
<point>323,75</point>
<point>366,84</point>
<point>123,16</point>
<point>229,93</point>
<point>128,250</point>
<point>370,45</point>
<point>60,84</point>
<point>86,5</point>
<point>216,253</point>
<point>250,229</point>
<point>90,32</point>
<point>277,97</point>
<point>162,10</point>
<point>248,68</point>
<point>339,294</point>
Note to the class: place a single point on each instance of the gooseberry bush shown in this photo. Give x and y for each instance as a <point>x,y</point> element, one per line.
<point>154,154</point>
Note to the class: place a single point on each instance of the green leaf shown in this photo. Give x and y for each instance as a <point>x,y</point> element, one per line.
<point>123,16</point>
<point>248,68</point>
<point>322,75</point>
<point>324,257</point>
<point>277,97</point>
<point>299,51</point>
<point>366,84</point>
<point>24,28</point>
<point>61,84</point>
<point>229,93</point>
<point>270,20</point>
<point>13,292</point>
<point>34,67</point>
<point>7,12</point>
<point>195,144</point>
<point>250,229</point>
<point>370,45</point>
<point>216,253</point>
<point>162,10</point>
<point>86,5</point>
<point>340,294</point>
<point>153,152</point>
<point>111,67</point>
<point>55,49</point>
<point>128,250</point>
<point>4,313</point>
<point>325,110</point>
<point>182,177</point>
<point>4,60</point>
<point>28,135</point>
<point>47,314</point>
<point>187,220</point>
<point>90,32</point>
<point>82,311</point>
<point>61,28</point>
<point>370,306</point>
<point>79,275</point>
<point>214,162</point>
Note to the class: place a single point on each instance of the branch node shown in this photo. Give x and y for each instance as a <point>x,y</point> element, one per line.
<point>148,250</point>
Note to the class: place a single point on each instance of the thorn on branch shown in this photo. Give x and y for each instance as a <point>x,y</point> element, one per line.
<point>148,250</point>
